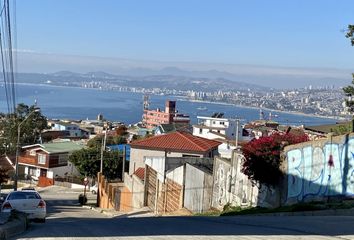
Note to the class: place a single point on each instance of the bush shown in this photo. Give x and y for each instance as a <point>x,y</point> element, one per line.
<point>262,157</point>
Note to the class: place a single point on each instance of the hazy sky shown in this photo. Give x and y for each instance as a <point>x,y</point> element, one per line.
<point>289,33</point>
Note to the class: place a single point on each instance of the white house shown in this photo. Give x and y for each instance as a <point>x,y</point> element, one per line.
<point>216,127</point>
<point>73,129</point>
<point>222,129</point>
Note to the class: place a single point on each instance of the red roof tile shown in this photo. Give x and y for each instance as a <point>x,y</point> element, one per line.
<point>178,141</point>
<point>140,173</point>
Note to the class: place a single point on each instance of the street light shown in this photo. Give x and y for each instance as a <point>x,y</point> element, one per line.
<point>18,144</point>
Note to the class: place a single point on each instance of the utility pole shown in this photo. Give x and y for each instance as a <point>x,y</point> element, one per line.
<point>237,130</point>
<point>103,147</point>
<point>18,145</point>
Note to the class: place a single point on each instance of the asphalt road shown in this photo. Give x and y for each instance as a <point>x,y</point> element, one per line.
<point>68,220</point>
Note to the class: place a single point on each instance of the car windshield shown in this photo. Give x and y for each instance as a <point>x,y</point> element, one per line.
<point>23,195</point>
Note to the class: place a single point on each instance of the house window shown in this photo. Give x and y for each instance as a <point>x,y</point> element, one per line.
<point>200,130</point>
<point>32,153</point>
<point>190,155</point>
<point>41,159</point>
<point>222,123</point>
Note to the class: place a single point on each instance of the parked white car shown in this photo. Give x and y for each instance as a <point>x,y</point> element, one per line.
<point>27,201</point>
<point>94,189</point>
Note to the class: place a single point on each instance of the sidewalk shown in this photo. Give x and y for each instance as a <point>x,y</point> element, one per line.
<point>143,212</point>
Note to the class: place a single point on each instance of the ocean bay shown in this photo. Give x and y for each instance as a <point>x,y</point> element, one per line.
<point>81,103</point>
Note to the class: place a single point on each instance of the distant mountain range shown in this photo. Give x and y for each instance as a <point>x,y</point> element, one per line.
<point>255,75</point>
<point>152,81</point>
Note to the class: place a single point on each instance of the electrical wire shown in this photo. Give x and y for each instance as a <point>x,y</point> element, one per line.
<point>7,56</point>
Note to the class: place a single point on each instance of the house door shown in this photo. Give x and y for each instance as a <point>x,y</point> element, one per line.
<point>43,173</point>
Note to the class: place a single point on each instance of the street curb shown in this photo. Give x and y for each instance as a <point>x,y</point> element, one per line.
<point>15,226</point>
<point>327,212</point>
<point>113,213</point>
<point>103,211</point>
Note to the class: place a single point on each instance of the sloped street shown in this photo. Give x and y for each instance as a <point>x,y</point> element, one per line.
<point>68,220</point>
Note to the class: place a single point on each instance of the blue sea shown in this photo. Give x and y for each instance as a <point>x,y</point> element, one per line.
<point>79,103</point>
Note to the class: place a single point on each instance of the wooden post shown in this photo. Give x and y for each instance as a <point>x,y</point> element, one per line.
<point>156,195</point>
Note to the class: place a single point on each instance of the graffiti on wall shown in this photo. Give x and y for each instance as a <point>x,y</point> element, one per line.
<point>325,170</point>
<point>233,187</point>
<point>230,185</point>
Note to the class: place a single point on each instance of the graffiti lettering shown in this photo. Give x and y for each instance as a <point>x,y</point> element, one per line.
<point>321,171</point>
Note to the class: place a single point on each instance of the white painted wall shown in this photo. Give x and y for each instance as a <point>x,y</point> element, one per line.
<point>223,125</point>
<point>70,169</point>
<point>136,187</point>
<point>176,175</point>
<point>225,150</point>
<point>137,157</point>
<point>158,164</point>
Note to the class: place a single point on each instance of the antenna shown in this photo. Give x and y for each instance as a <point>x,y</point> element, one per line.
<point>146,102</point>
<point>261,114</point>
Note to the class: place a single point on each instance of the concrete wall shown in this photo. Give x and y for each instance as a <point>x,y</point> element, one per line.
<point>231,186</point>
<point>177,175</point>
<point>158,164</point>
<point>136,188</point>
<point>319,169</point>
<point>137,157</point>
<point>63,171</point>
<point>315,170</point>
<point>184,186</point>
<point>162,165</point>
<point>198,189</point>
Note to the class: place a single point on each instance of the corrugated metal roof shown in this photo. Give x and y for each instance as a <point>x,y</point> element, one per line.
<point>61,147</point>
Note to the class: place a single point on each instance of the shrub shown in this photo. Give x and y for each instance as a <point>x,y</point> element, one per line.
<point>262,157</point>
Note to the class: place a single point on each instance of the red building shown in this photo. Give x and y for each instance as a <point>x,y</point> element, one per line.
<point>153,118</point>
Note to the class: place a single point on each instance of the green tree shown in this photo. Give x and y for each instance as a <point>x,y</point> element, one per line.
<point>88,162</point>
<point>96,142</point>
<point>30,129</point>
<point>349,90</point>
<point>350,34</point>
<point>342,129</point>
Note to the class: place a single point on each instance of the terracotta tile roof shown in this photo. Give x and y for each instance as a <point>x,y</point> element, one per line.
<point>177,141</point>
<point>140,173</point>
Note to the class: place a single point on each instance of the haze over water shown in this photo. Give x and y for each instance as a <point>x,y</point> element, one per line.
<point>79,103</point>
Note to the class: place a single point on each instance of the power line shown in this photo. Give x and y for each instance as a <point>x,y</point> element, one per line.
<point>7,57</point>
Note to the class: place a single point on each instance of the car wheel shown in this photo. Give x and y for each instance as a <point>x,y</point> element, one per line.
<point>93,192</point>
<point>41,220</point>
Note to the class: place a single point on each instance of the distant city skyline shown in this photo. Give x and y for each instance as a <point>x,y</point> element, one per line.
<point>277,36</point>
